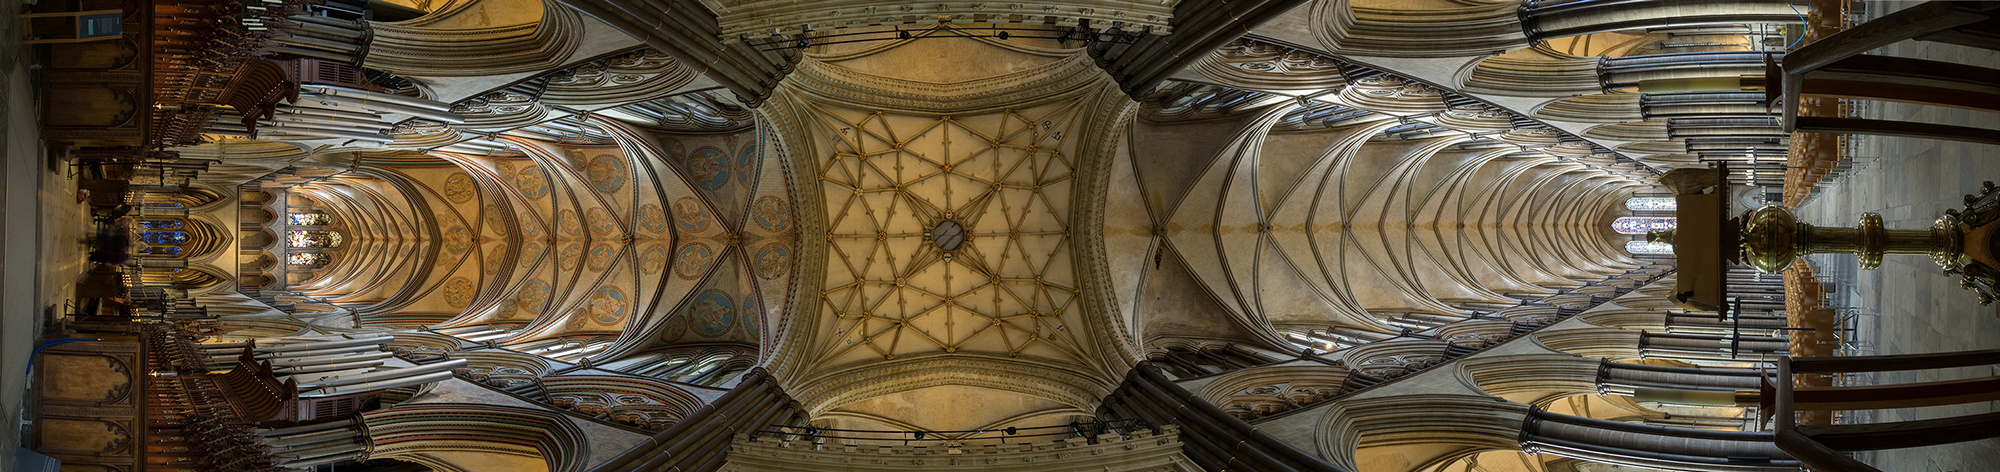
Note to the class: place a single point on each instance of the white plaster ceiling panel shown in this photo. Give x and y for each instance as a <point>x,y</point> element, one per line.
<point>1176,155</point>
<point>1128,232</point>
<point>1239,228</point>
<point>1005,289</point>
<point>1302,231</point>
<point>1192,231</point>
<point>973,408</point>
<point>1284,296</point>
<point>1285,157</point>
<point>1359,230</point>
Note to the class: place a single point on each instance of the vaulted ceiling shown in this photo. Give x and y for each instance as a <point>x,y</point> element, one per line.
<point>980,226</point>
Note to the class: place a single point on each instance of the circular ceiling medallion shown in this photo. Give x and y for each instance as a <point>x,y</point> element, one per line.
<point>948,235</point>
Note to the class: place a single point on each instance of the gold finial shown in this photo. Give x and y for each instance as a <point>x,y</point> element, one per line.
<point>1661,236</point>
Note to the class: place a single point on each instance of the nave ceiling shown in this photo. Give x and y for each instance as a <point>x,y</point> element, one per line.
<point>1263,193</point>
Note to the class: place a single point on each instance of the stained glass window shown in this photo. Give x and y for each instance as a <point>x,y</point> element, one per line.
<point>1640,225</point>
<point>161,250</point>
<point>161,224</point>
<point>164,237</point>
<point>1648,247</point>
<point>301,238</point>
<point>163,205</point>
<point>311,219</point>
<point>1651,204</point>
<point>311,259</point>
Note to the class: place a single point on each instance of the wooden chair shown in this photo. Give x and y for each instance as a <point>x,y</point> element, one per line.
<point>1822,447</point>
<point>1836,66</point>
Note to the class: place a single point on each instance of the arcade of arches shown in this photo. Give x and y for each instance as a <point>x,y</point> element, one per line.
<point>1107,235</point>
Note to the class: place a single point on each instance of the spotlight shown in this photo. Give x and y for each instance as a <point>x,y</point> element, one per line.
<point>920,435</point>
<point>902,34</point>
<point>1003,35</point>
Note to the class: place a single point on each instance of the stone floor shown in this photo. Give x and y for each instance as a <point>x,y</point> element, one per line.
<point>21,300</point>
<point>1917,308</point>
<point>41,229</point>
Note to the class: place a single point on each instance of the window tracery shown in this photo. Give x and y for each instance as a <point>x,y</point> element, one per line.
<point>164,237</point>
<point>1651,204</point>
<point>313,238</point>
<point>1648,247</point>
<point>1643,224</point>
<point>310,218</point>
<point>308,259</point>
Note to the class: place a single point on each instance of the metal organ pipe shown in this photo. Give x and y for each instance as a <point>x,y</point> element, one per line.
<point>324,344</point>
<point>335,90</point>
<point>387,374</point>
<point>379,385</point>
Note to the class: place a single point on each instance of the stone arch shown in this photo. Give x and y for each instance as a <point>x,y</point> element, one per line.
<point>410,432</point>
<point>1395,357</point>
<point>262,239</point>
<point>1460,424</point>
<point>501,368</point>
<point>1254,393</point>
<point>459,41</point>
<point>640,402</point>
<point>422,346</point>
<point>1056,383</point>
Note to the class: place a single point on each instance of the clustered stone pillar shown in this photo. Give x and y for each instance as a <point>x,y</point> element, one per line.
<point>1543,20</point>
<point>1642,445</point>
<point>308,446</point>
<point>688,31</point>
<point>1702,386</point>
<point>700,442</point>
<point>1212,438</point>
<point>1199,26</point>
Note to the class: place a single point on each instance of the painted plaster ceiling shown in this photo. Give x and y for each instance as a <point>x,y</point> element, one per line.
<point>649,238</point>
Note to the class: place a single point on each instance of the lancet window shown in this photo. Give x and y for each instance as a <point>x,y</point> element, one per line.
<point>1651,204</point>
<point>1648,247</point>
<point>308,259</point>
<point>310,218</point>
<point>306,239</point>
<point>1642,224</point>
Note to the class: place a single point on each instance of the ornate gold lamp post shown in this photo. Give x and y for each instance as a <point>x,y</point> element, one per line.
<point>1960,242</point>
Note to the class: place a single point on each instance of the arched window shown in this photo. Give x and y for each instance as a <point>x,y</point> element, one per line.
<point>1648,247</point>
<point>302,238</point>
<point>164,237</point>
<point>1642,224</point>
<point>310,218</point>
<point>308,259</point>
<point>1651,204</point>
<point>161,250</point>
